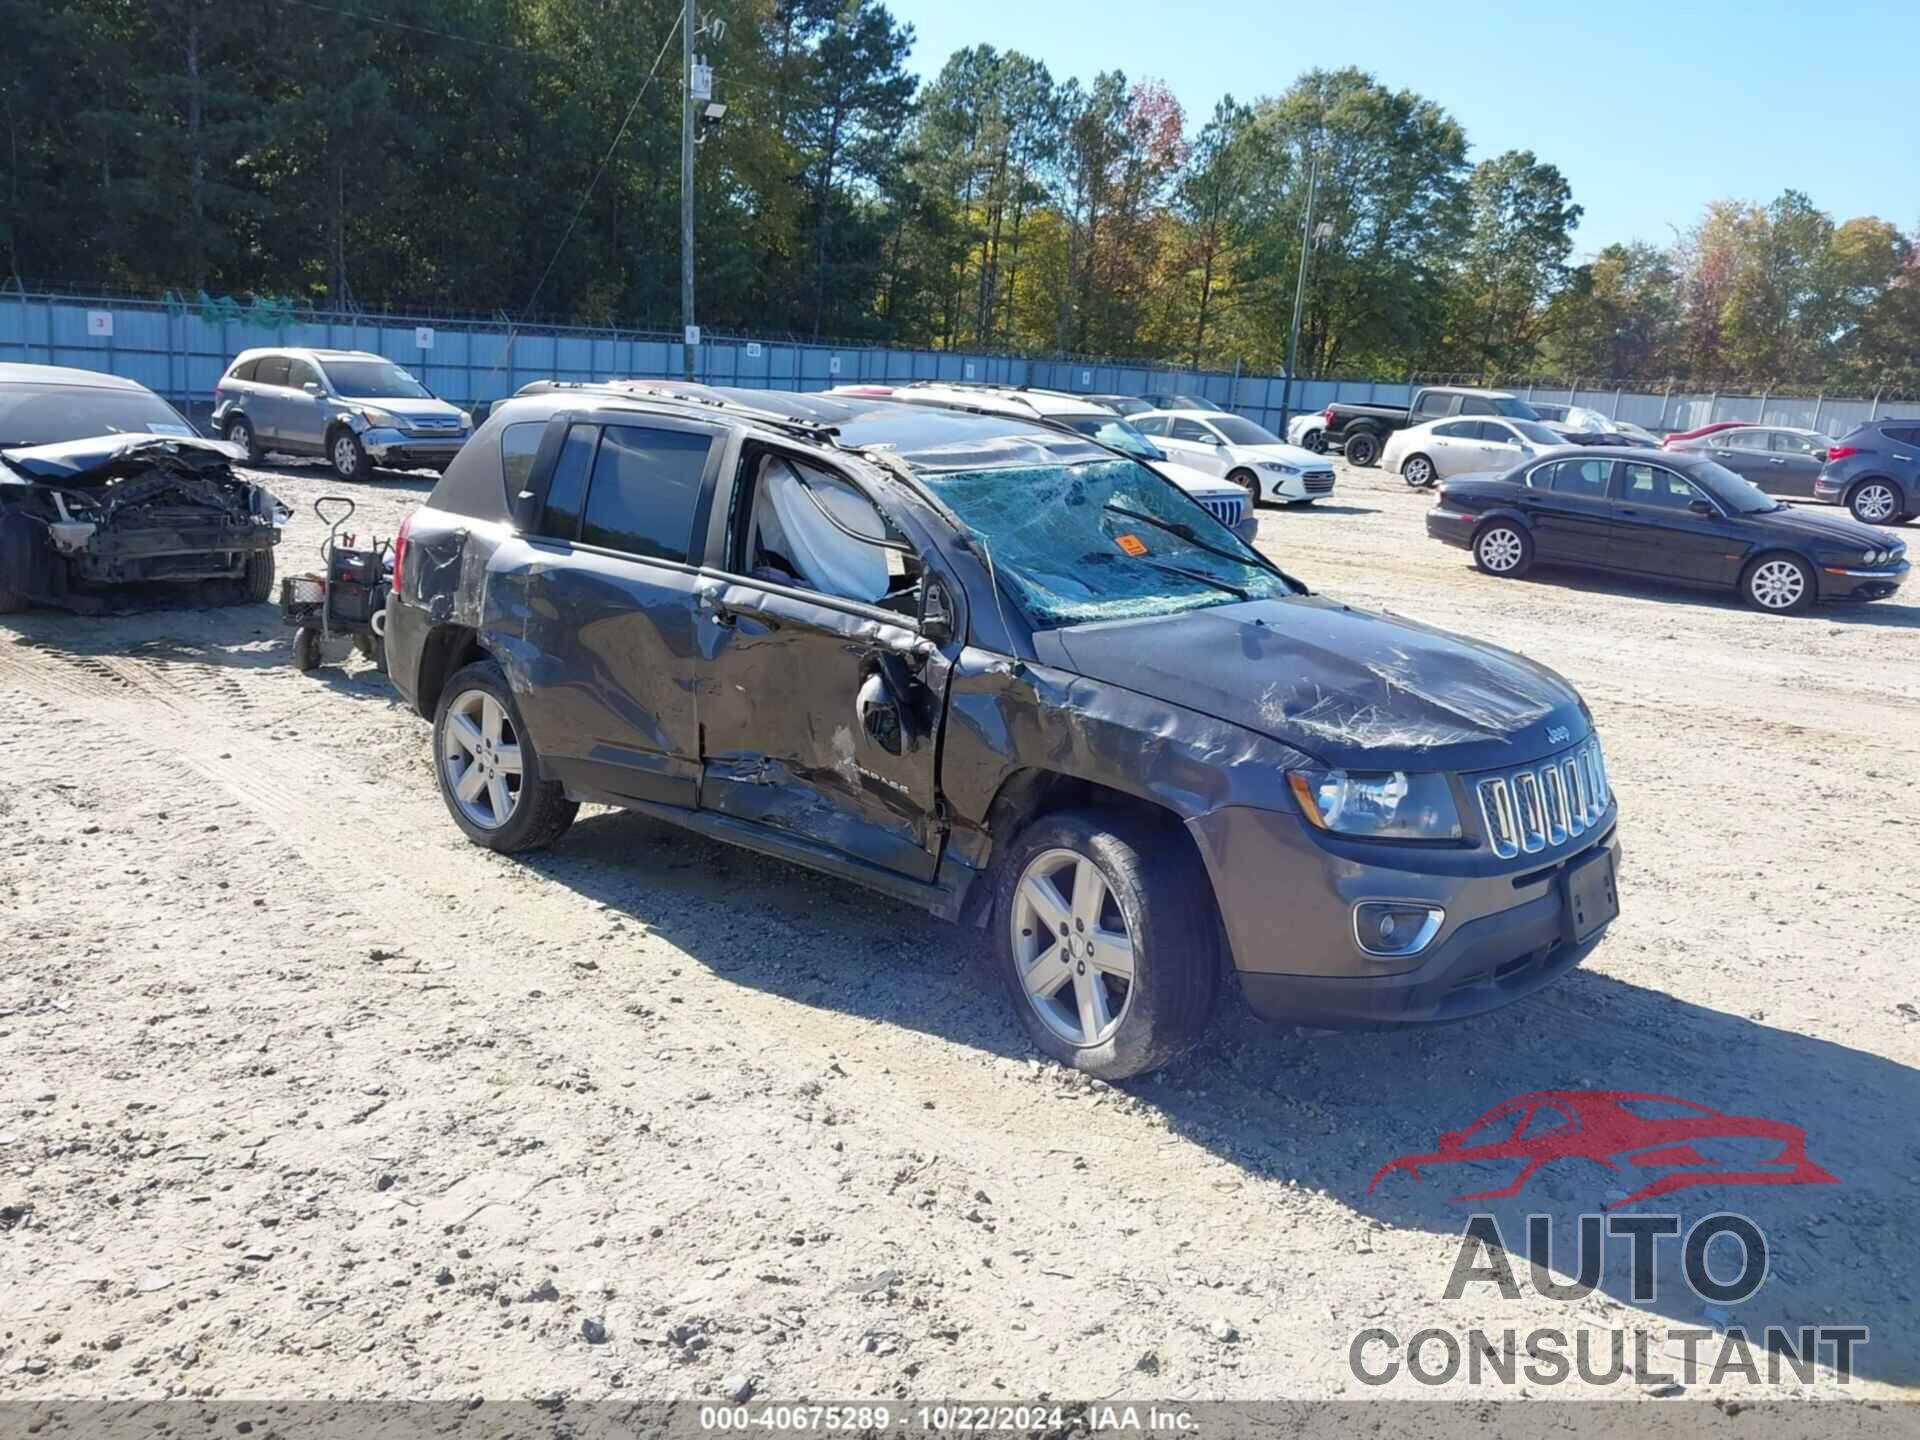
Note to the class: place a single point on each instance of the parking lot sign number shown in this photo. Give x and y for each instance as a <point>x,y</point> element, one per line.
<point>423,336</point>
<point>833,365</point>
<point>753,350</point>
<point>970,369</point>
<point>100,322</point>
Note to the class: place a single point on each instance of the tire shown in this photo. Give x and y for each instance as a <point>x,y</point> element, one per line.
<point>1316,441</point>
<point>1874,502</point>
<point>240,432</point>
<point>1417,471</point>
<point>348,456</point>
<point>257,584</point>
<point>1248,482</point>
<point>306,649</point>
<point>1152,890</point>
<point>537,810</point>
<point>1778,584</point>
<point>1503,548</point>
<point>1363,449</point>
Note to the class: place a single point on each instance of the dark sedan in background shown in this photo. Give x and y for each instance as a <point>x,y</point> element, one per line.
<point>1681,518</point>
<point>1782,460</point>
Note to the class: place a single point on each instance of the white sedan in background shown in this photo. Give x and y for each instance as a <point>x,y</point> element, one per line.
<point>1250,456</point>
<point>1422,454</point>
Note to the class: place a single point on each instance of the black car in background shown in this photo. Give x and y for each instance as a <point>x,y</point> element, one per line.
<point>1782,460</point>
<point>1874,470</point>
<point>1682,518</point>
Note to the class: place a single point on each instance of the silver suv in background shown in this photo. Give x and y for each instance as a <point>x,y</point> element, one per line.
<point>355,408</point>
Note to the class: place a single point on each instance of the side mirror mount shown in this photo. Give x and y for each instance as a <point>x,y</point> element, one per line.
<point>1700,507</point>
<point>314,388</point>
<point>526,511</point>
<point>936,615</point>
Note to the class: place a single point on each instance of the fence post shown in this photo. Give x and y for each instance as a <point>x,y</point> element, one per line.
<point>1619,392</point>
<point>1763,402</point>
<point>1713,405</point>
<point>1666,400</point>
<point>1818,405</point>
<point>1233,387</point>
<point>1874,414</point>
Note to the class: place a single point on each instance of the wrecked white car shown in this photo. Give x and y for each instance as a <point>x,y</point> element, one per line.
<point>104,485</point>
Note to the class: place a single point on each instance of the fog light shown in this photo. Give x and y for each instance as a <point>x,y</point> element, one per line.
<point>1395,928</point>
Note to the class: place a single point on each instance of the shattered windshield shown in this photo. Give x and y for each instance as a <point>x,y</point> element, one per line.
<point>46,415</point>
<point>1108,540</point>
<point>1115,434</point>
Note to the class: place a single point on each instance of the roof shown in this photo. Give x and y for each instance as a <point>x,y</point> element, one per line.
<point>319,352</point>
<point>1009,399</point>
<point>16,374</point>
<point>1473,390</point>
<point>927,437</point>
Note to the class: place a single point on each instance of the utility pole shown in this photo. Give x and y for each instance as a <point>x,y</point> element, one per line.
<point>1299,295</point>
<point>690,335</point>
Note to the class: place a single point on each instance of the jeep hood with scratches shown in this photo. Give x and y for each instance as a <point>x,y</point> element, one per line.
<point>1351,688</point>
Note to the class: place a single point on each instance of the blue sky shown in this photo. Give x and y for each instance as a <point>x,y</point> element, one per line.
<point>1650,110</point>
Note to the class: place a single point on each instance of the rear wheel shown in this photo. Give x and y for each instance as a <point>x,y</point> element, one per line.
<point>1779,584</point>
<point>1363,449</point>
<point>1316,441</point>
<point>1417,472</point>
<point>1107,941</point>
<point>1248,482</point>
<point>240,432</point>
<point>1503,549</point>
<point>1873,502</point>
<point>489,769</point>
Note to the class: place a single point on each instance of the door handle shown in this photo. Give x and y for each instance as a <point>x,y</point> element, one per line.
<point>1904,459</point>
<point>1777,460</point>
<point>1628,510</point>
<point>720,613</point>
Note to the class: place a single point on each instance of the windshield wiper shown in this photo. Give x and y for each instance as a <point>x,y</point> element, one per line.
<point>1199,575</point>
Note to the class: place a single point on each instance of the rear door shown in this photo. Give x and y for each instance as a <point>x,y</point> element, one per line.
<point>1454,448</point>
<point>820,701</point>
<point>1570,512</point>
<point>610,603</point>
<point>268,405</point>
<point>1657,533</point>
<point>1743,451</point>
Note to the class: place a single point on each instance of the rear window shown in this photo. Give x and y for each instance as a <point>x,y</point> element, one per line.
<point>644,491</point>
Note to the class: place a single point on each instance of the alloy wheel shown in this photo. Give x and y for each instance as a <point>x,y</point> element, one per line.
<point>1777,585</point>
<point>1418,472</point>
<point>239,434</point>
<point>1072,946</point>
<point>1874,503</point>
<point>480,759</point>
<point>345,460</point>
<point>1500,550</point>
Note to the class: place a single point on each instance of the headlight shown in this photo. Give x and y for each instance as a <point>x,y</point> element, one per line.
<point>380,419</point>
<point>1278,468</point>
<point>466,420</point>
<point>1391,805</point>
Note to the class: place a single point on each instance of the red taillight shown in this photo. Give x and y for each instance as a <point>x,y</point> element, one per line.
<point>1326,416</point>
<point>400,551</point>
<point>1841,452</point>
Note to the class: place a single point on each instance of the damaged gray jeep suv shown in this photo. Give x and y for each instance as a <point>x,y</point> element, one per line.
<point>1001,671</point>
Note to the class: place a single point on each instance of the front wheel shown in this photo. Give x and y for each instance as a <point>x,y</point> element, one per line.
<point>348,456</point>
<point>1503,549</point>
<point>1417,472</point>
<point>1874,503</point>
<point>1248,482</point>
<point>489,769</point>
<point>257,584</point>
<point>1363,449</point>
<point>1779,584</point>
<point>1107,941</point>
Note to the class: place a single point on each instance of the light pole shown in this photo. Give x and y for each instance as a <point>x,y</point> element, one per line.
<point>1308,239</point>
<point>689,336</point>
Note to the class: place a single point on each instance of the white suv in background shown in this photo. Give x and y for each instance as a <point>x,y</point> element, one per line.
<point>1225,501</point>
<point>1262,464</point>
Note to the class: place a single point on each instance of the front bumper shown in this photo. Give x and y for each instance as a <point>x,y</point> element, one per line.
<point>207,552</point>
<point>1286,900</point>
<point>1874,583</point>
<point>401,449</point>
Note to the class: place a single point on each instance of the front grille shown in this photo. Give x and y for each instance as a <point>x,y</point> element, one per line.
<point>431,425</point>
<point>1227,511</point>
<point>1318,482</point>
<point>1540,806</point>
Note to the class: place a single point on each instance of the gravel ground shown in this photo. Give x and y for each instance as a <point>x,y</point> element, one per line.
<point>305,1096</point>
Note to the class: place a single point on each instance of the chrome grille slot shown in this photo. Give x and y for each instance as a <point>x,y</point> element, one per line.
<point>1227,512</point>
<point>1543,806</point>
<point>1317,482</point>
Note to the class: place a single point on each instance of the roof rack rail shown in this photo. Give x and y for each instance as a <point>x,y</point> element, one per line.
<point>674,390</point>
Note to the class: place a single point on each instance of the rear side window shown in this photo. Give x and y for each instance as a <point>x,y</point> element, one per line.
<point>518,445</point>
<point>272,370</point>
<point>644,490</point>
<point>1458,430</point>
<point>1903,434</point>
<point>1151,424</point>
<point>1574,477</point>
<point>244,370</point>
<point>1474,405</point>
<point>1437,405</point>
<point>568,488</point>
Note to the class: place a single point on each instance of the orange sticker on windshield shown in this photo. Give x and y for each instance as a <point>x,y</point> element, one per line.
<point>1131,544</point>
